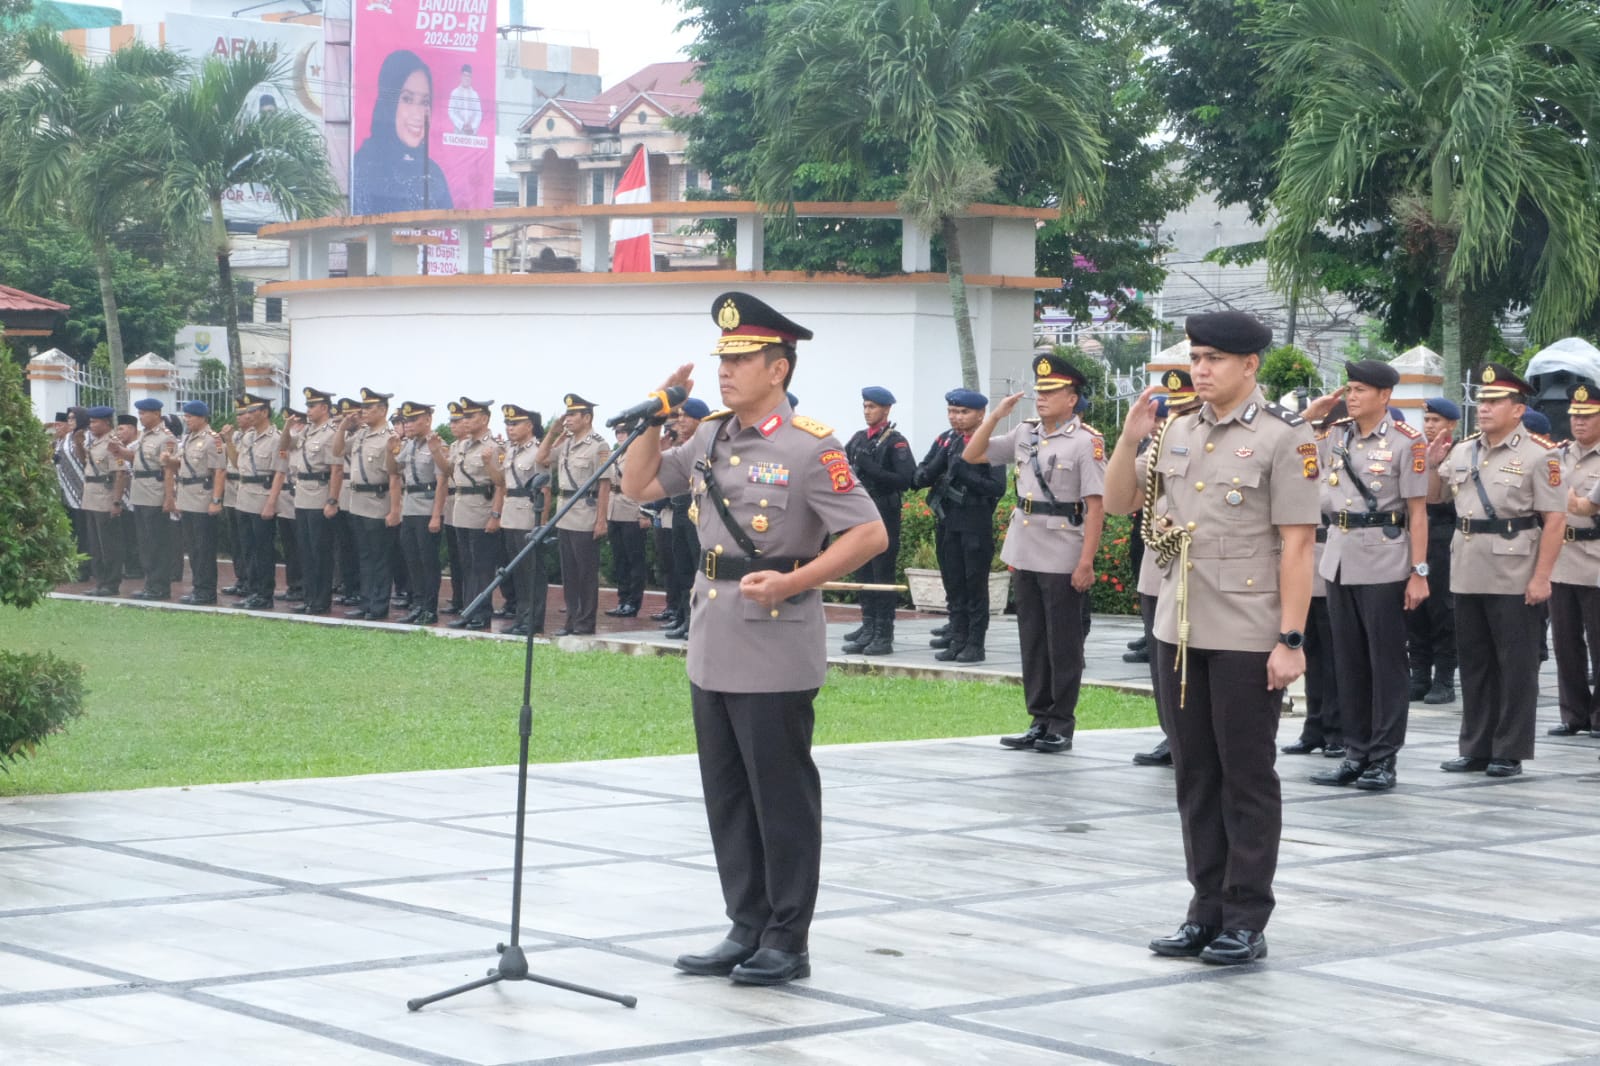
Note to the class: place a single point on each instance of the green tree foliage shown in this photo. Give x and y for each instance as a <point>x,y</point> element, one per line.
<point>1286,368</point>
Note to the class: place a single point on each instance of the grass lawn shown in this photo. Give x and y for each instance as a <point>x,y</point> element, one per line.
<point>179,698</point>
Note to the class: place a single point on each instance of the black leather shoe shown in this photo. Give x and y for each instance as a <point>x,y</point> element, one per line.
<point>476,624</point>
<point>1160,755</point>
<point>619,611</point>
<point>197,601</point>
<point>1503,768</point>
<point>718,962</point>
<point>1140,656</point>
<point>1025,741</point>
<point>940,631</point>
<point>677,633</point>
<point>453,609</point>
<point>769,966</point>
<point>518,630</point>
<point>1138,644</point>
<point>1441,692</point>
<point>1565,730</point>
<point>146,594</point>
<point>566,631</point>
<point>347,601</point>
<point>426,618</point>
<point>672,622</point>
<point>1235,946</point>
<point>459,623</point>
<point>1301,747</point>
<point>256,603</point>
<point>628,610</point>
<point>1333,751</point>
<point>1189,941</point>
<point>942,641</point>
<point>1050,743</point>
<point>104,591</point>
<point>294,596</point>
<point>1347,772</point>
<point>410,616</point>
<point>504,613</point>
<point>231,590</point>
<point>662,616</point>
<point>972,653</point>
<point>1378,776</point>
<point>1464,765</point>
<point>357,613</point>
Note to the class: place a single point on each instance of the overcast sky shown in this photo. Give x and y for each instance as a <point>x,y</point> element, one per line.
<point>629,33</point>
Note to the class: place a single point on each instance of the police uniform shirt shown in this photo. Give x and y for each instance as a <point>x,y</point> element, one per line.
<point>230,487</point>
<point>311,452</point>
<point>572,462</point>
<point>1521,476</point>
<point>1231,484</point>
<point>621,508</point>
<point>258,462</point>
<point>1392,463</point>
<point>469,475</point>
<point>368,460</point>
<point>1073,462</point>
<point>99,473</point>
<point>1579,561</point>
<point>200,455</point>
<point>148,486</point>
<point>521,511</point>
<point>788,486</point>
<point>1319,584</point>
<point>419,476</point>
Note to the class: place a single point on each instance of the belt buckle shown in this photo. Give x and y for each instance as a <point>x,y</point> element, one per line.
<point>710,565</point>
<point>1344,521</point>
<point>1569,534</point>
<point>1026,505</point>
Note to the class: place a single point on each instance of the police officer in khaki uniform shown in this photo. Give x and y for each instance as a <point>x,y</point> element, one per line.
<point>199,477</point>
<point>1236,482</point>
<point>1050,543</point>
<point>367,448</point>
<point>256,454</point>
<point>347,556</point>
<point>571,456</point>
<point>147,491</point>
<point>1575,581</point>
<point>294,577</point>
<point>1431,628</point>
<point>1374,494</point>
<point>1511,517</point>
<point>452,538</point>
<point>474,466</point>
<point>625,532</point>
<point>521,502</point>
<point>308,450</point>
<point>105,479</point>
<point>422,486</point>
<point>758,642</point>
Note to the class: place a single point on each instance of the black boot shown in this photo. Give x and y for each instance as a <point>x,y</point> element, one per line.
<point>864,635</point>
<point>1419,683</point>
<point>855,635</point>
<point>1444,686</point>
<point>882,642</point>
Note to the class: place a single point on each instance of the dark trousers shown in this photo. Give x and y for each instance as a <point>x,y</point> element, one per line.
<point>1498,640</point>
<point>879,570</point>
<point>80,534</point>
<point>508,588</point>
<point>764,806</point>
<point>1431,628</point>
<point>1147,614</point>
<point>132,552</point>
<point>580,577</point>
<point>399,573</point>
<point>199,530</point>
<point>1224,742</point>
<point>686,559</point>
<point>420,550</point>
<point>671,582</point>
<point>964,556</point>
<point>458,567</point>
<point>627,560</point>
<point>1324,725</point>
<point>479,551</point>
<point>158,548</point>
<point>347,556</point>
<point>294,576</point>
<point>1575,635</point>
<point>106,548</point>
<point>373,540</point>
<point>1050,627</point>
<point>314,531</point>
<point>531,578</point>
<point>255,560</point>
<point>1369,640</point>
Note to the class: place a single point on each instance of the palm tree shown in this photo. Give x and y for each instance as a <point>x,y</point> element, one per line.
<point>950,91</point>
<point>208,141</point>
<point>71,153</point>
<point>1473,118</point>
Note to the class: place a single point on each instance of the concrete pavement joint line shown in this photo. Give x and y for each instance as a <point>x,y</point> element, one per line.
<point>711,1043</point>
<point>144,901</point>
<point>72,963</point>
<point>1017,1036</point>
<point>1506,1009</point>
<point>350,1037</point>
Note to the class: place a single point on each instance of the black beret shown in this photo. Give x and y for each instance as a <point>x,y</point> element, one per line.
<point>1379,375</point>
<point>1233,332</point>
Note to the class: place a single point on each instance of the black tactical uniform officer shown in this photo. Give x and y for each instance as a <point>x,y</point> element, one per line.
<point>882,460</point>
<point>1431,628</point>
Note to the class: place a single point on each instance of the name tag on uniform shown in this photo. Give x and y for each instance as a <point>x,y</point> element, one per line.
<point>769,474</point>
<point>1180,449</point>
<point>1382,457</point>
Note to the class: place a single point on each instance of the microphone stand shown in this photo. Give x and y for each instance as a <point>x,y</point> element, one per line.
<point>513,965</point>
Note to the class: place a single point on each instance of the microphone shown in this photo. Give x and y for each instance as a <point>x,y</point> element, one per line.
<point>657,406</point>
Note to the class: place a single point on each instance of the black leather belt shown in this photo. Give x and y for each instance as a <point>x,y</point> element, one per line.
<point>729,568</point>
<point>1506,527</point>
<point>1586,533</point>
<point>1368,519</point>
<point>324,476</point>
<point>201,480</point>
<point>99,479</point>
<point>256,479</point>
<point>473,490</point>
<point>371,490</point>
<point>451,491</point>
<point>524,493</point>
<point>146,473</point>
<point>233,477</point>
<point>1071,509</point>
<point>412,490</point>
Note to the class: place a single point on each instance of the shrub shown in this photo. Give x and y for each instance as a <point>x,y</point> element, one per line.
<point>39,694</point>
<point>1116,583</point>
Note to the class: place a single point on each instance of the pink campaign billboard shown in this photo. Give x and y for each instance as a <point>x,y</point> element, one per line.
<point>423,110</point>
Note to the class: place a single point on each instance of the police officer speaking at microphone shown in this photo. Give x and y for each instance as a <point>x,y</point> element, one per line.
<point>769,486</point>
<point>1236,486</point>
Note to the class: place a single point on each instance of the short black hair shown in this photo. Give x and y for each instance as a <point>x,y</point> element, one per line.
<point>780,351</point>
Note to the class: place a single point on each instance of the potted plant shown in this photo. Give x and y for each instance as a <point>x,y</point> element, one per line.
<point>922,575</point>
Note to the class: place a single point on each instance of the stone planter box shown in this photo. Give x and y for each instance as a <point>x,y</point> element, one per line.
<point>927,590</point>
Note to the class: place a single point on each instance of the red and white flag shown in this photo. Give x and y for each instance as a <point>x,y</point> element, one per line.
<point>630,237</point>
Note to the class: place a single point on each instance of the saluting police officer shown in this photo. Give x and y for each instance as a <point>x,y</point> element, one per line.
<point>199,476</point>
<point>769,487</point>
<point>308,449</point>
<point>625,531</point>
<point>474,465</point>
<point>367,449</point>
<point>1431,628</point>
<point>882,460</point>
<point>685,540</point>
<point>105,479</point>
<point>158,535</point>
<point>1376,565</point>
<point>1235,482</point>
<point>571,457</point>
<point>521,502</point>
<point>1051,541</point>
<point>421,512</point>
<point>1575,581</point>
<point>254,449</point>
<point>1512,516</point>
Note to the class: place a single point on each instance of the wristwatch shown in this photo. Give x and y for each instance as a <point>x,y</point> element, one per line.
<point>1294,640</point>
<point>1420,569</point>
<point>216,500</point>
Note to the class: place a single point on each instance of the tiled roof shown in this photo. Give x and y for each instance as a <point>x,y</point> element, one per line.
<point>17,300</point>
<point>670,86</point>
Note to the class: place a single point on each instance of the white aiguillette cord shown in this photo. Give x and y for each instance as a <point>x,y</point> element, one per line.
<point>1169,542</point>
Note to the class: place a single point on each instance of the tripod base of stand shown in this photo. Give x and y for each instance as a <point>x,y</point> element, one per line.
<point>514,967</point>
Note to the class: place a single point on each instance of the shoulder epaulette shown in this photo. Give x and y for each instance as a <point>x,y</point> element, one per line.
<point>811,426</point>
<point>1345,421</point>
<point>1284,414</point>
<point>1469,437</point>
<point>1544,441</point>
<point>718,416</point>
<point>1322,434</point>
<point>1408,430</point>
<point>1091,429</point>
<point>1034,421</point>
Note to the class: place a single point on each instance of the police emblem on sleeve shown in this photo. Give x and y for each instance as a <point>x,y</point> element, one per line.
<point>1308,460</point>
<point>838,468</point>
